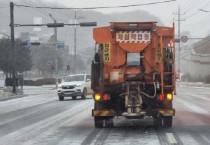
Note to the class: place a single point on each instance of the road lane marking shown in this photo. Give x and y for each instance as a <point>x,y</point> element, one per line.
<point>171,138</point>
<point>58,125</point>
<point>30,131</point>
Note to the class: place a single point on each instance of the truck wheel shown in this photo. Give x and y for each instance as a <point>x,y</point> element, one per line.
<point>74,97</point>
<point>109,122</point>
<point>84,94</point>
<point>167,121</point>
<point>99,121</point>
<point>158,122</point>
<point>61,98</point>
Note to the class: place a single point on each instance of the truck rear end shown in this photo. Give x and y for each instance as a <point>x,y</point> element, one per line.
<point>133,73</point>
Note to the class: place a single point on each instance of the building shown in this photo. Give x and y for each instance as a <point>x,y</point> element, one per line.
<point>200,59</point>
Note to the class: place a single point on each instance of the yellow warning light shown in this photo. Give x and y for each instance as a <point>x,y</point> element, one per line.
<point>97,97</point>
<point>169,97</point>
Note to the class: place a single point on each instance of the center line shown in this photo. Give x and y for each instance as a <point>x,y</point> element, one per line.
<point>171,138</point>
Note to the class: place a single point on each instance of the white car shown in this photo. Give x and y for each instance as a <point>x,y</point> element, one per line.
<point>75,85</point>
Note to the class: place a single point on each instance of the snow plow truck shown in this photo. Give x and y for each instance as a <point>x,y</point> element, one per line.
<point>133,73</point>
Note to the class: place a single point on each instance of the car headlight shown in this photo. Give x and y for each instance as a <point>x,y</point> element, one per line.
<point>59,86</point>
<point>78,85</point>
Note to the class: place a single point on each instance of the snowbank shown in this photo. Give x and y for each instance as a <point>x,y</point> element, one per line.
<point>5,94</point>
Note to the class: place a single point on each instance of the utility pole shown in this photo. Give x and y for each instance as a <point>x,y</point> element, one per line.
<point>13,47</point>
<point>179,37</point>
<point>56,49</point>
<point>179,61</point>
<point>75,40</point>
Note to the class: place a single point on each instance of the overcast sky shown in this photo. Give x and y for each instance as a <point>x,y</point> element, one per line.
<point>195,20</point>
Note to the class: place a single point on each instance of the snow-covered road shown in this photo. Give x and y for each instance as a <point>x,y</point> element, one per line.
<point>40,119</point>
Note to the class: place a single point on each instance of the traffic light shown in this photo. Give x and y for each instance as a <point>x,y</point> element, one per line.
<point>177,40</point>
<point>35,43</point>
<point>52,66</point>
<point>68,67</point>
<point>55,25</point>
<point>87,24</point>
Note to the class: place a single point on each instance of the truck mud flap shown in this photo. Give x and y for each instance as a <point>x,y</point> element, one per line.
<point>103,113</point>
<point>166,112</point>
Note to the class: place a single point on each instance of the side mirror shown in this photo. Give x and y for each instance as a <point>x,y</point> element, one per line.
<point>88,80</point>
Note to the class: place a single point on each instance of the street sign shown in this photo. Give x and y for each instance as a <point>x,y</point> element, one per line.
<point>26,43</point>
<point>184,39</point>
<point>50,62</point>
<point>34,38</point>
<point>60,45</point>
<point>133,37</point>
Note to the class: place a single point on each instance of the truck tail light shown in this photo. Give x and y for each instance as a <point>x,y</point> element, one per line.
<point>97,97</point>
<point>169,97</point>
<point>106,97</point>
<point>162,97</point>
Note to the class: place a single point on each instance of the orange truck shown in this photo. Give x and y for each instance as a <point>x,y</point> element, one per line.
<point>133,73</point>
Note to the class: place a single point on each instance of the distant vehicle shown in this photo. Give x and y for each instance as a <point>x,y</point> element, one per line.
<point>74,85</point>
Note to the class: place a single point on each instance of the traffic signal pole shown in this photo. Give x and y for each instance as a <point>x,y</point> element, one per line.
<point>75,41</point>
<point>55,25</point>
<point>13,47</point>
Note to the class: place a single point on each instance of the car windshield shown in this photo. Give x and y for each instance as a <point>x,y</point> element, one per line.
<point>74,78</point>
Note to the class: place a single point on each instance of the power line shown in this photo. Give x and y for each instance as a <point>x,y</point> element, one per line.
<point>192,5</point>
<point>196,5</point>
<point>71,8</point>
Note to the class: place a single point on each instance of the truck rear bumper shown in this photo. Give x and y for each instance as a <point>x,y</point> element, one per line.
<point>167,112</point>
<point>107,113</point>
<point>156,112</point>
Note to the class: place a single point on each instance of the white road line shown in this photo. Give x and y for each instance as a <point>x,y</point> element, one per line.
<point>171,138</point>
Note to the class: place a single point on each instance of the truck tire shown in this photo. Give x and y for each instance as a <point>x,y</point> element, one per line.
<point>99,121</point>
<point>84,94</point>
<point>61,98</point>
<point>74,97</point>
<point>109,122</point>
<point>158,122</point>
<point>167,121</point>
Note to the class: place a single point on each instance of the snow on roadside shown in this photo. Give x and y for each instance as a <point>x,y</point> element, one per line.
<point>5,94</point>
